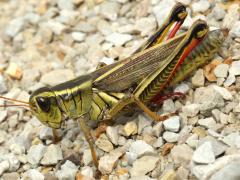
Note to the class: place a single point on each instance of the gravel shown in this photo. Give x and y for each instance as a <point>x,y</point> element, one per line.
<point>49,42</point>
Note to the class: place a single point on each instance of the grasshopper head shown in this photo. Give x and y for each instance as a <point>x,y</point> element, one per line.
<point>44,105</point>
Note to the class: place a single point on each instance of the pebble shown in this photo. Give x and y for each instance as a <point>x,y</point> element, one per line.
<point>3,115</point>
<point>221,71</point>
<point>158,143</point>
<point>145,25</point>
<point>172,124</point>
<point>65,4</point>
<point>35,154</point>
<point>208,98</point>
<point>140,148</point>
<point>158,129</point>
<point>143,122</point>
<point>14,27</point>
<point>130,128</point>
<point>191,110</point>
<point>182,88</point>
<point>3,136</point>
<point>104,144</point>
<point>143,165</point>
<point>68,171</point>
<point>87,157</point>
<point>230,139</point>
<point>78,36</point>
<point>198,79</point>
<point>87,171</point>
<point>108,162</point>
<point>57,76</point>
<point>112,134</point>
<point>230,171</point>
<point>3,87</point>
<point>204,154</point>
<point>56,27</point>
<point>168,106</point>
<point>33,174</point>
<point>169,175</point>
<point>229,81</point>
<point>170,137</point>
<point>235,68</point>
<point>52,155</point>
<point>231,17</point>
<point>4,166</point>
<point>224,92</point>
<point>218,13</point>
<point>182,154</point>
<point>10,176</point>
<point>118,39</point>
<point>110,10</point>
<point>17,149</point>
<point>200,6</point>
<point>209,123</point>
<point>14,71</point>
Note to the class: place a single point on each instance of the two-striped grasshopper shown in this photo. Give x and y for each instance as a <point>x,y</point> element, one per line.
<point>136,80</point>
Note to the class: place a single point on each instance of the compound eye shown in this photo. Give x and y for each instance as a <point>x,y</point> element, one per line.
<point>43,103</point>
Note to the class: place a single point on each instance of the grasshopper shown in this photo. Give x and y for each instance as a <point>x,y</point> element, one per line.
<point>137,80</point>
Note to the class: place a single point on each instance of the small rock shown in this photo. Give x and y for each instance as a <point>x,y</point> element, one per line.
<point>57,76</point>
<point>4,166</point>
<point>110,10</point>
<point>208,98</point>
<point>198,79</point>
<point>68,5</point>
<point>104,144</point>
<point>235,31</point>
<point>140,148</point>
<point>118,39</point>
<point>231,17</point>
<point>200,6</point>
<point>108,162</point>
<point>56,27</point>
<point>14,27</point>
<point>14,71</point>
<point>17,149</point>
<point>46,133</point>
<point>182,154</point>
<point>78,36</point>
<point>172,124</point>
<point>143,122</point>
<point>168,106</point>
<point>87,157</point>
<point>3,136</point>
<point>130,128</point>
<point>221,71</point>
<point>158,143</point>
<point>68,171</point>
<point>191,110</point>
<point>10,176</point>
<point>145,25</point>
<point>143,165</point>
<point>158,129</point>
<point>209,123</point>
<point>52,156</point>
<point>87,171</point>
<point>112,133</point>
<point>170,136</point>
<point>169,175</point>
<point>230,171</point>
<point>204,154</point>
<point>235,68</point>
<point>182,88</point>
<point>33,174</point>
<point>230,139</point>
<point>3,87</point>
<point>218,13</point>
<point>224,92</point>
<point>182,173</point>
<point>229,81</point>
<point>36,153</point>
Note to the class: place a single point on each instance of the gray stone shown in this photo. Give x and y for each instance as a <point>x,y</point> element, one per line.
<point>221,71</point>
<point>118,39</point>
<point>57,76</point>
<point>229,172</point>
<point>231,17</point>
<point>36,153</point>
<point>172,124</point>
<point>224,92</point>
<point>78,36</point>
<point>52,156</point>
<point>14,27</point>
<point>209,123</point>
<point>158,143</point>
<point>230,139</point>
<point>204,154</point>
<point>182,88</point>
<point>235,68</point>
<point>143,122</point>
<point>33,174</point>
<point>145,25</point>
<point>170,136</point>
<point>4,166</point>
<point>198,79</point>
<point>191,110</point>
<point>17,149</point>
<point>112,133</point>
<point>182,154</point>
<point>110,10</point>
<point>87,157</point>
<point>143,165</point>
<point>168,106</point>
<point>45,133</point>
<point>235,31</point>
<point>217,13</point>
<point>200,6</point>
<point>108,162</point>
<point>208,98</point>
<point>68,171</point>
<point>158,129</point>
<point>140,148</point>
<point>230,80</point>
<point>103,143</point>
